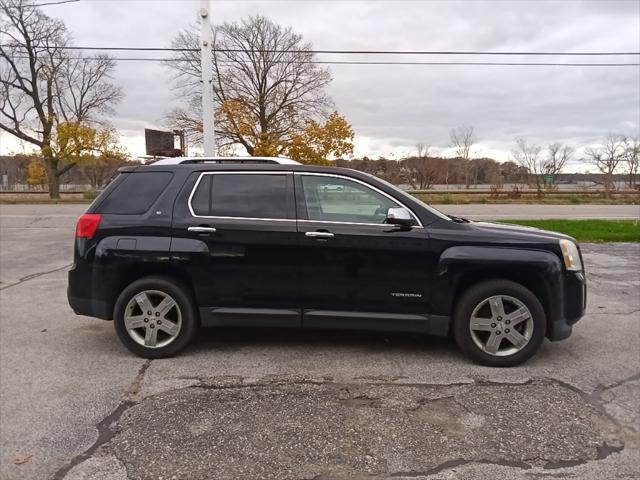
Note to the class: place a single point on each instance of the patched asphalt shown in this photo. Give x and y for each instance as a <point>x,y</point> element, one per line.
<point>75,404</point>
<point>313,429</point>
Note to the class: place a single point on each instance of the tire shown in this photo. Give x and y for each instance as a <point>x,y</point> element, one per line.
<point>521,317</point>
<point>173,322</point>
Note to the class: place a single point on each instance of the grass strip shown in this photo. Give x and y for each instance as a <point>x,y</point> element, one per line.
<point>595,231</point>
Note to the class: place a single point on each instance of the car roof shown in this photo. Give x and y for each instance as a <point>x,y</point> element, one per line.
<point>213,167</point>
<point>214,160</point>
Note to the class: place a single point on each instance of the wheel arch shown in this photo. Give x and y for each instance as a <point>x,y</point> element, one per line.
<point>131,272</point>
<point>531,280</point>
<point>537,270</point>
<point>125,259</point>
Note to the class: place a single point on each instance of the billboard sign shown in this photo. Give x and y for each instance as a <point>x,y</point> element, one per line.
<point>159,143</point>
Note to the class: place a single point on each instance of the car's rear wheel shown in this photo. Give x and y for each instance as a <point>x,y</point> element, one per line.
<point>154,317</point>
<point>499,323</point>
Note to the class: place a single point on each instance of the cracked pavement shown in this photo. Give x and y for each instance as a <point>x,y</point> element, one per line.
<point>74,404</point>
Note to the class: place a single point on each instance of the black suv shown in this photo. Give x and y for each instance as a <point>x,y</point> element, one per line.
<point>183,243</point>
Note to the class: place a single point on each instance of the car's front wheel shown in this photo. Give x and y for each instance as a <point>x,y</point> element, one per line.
<point>499,323</point>
<point>154,317</point>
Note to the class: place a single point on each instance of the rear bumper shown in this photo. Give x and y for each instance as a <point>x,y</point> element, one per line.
<point>571,305</point>
<point>83,297</point>
<point>89,307</point>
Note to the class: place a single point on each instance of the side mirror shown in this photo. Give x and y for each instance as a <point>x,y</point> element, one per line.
<point>399,216</point>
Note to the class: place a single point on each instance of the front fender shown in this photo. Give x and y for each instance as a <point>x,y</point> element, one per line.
<point>539,270</point>
<point>466,257</point>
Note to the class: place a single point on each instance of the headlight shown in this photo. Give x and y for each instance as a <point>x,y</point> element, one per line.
<point>571,255</point>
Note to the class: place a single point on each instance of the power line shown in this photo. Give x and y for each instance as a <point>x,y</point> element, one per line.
<point>329,62</point>
<point>539,64</point>
<point>59,2</point>
<point>347,52</point>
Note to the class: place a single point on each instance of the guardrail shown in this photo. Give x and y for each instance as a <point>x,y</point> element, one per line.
<point>521,192</point>
<point>42,192</point>
<point>411,192</point>
<point>25,188</point>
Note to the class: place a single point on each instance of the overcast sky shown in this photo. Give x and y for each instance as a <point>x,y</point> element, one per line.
<point>394,107</point>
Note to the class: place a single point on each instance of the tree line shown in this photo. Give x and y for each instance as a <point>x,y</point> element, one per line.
<point>424,172</point>
<point>617,154</point>
<point>29,169</point>
<point>617,158</point>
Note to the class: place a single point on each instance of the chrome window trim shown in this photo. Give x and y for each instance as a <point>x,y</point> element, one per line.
<point>195,187</point>
<point>386,225</point>
<point>390,197</point>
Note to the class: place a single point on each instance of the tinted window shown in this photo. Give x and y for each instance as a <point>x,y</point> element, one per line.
<point>136,193</point>
<point>238,195</point>
<point>333,199</point>
<point>201,200</point>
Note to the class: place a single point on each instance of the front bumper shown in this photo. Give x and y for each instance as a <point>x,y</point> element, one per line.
<point>571,305</point>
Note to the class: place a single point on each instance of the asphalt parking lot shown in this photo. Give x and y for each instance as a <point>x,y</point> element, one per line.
<point>75,404</point>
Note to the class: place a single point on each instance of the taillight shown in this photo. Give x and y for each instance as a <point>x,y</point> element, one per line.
<point>87,225</point>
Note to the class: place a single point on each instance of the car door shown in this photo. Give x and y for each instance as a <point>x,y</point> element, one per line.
<point>356,271</point>
<point>235,232</point>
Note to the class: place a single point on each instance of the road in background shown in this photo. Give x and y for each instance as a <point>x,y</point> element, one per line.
<point>66,214</point>
<point>75,404</point>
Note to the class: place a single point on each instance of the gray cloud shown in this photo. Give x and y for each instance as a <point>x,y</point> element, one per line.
<point>394,107</point>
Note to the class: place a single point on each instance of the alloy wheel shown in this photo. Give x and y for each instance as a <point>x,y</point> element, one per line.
<point>501,325</point>
<point>152,318</point>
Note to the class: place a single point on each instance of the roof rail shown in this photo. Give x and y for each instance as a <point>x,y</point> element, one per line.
<point>193,160</point>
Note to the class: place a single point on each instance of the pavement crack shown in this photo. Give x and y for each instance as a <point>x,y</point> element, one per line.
<point>600,389</point>
<point>36,220</point>
<point>603,451</point>
<point>133,392</point>
<point>615,313</point>
<point>222,383</point>
<point>459,462</point>
<point>205,384</point>
<point>105,432</point>
<point>35,275</point>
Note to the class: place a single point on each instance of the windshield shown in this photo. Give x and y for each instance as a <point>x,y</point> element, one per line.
<point>404,194</point>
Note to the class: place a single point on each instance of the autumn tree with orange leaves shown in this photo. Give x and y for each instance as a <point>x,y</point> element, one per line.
<point>316,143</point>
<point>269,92</point>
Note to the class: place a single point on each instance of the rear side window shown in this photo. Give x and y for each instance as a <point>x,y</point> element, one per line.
<point>241,195</point>
<point>136,193</point>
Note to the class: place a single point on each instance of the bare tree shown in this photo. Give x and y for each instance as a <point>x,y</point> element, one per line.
<point>421,170</point>
<point>557,158</point>
<point>266,84</point>
<point>84,91</point>
<point>528,156</point>
<point>607,159</point>
<point>632,159</point>
<point>462,139</point>
<point>40,86</point>
<point>423,150</point>
<point>99,170</point>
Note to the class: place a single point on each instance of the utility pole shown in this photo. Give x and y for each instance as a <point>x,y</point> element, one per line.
<point>206,50</point>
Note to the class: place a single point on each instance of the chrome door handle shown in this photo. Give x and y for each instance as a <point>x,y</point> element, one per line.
<point>319,234</point>
<point>201,229</point>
